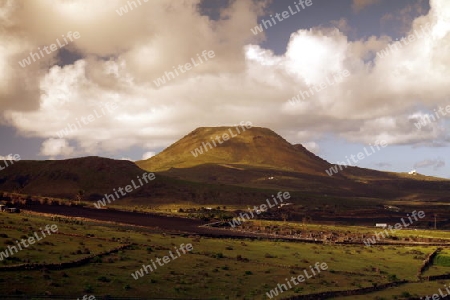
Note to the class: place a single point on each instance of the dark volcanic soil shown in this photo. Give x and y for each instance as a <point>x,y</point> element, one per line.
<point>173,224</point>
<point>177,225</point>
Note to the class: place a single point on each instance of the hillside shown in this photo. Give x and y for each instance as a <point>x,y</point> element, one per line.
<point>96,176</point>
<point>255,147</point>
<point>261,159</point>
<point>242,170</point>
<point>65,178</point>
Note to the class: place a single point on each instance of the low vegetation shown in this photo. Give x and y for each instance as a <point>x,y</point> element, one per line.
<point>215,269</point>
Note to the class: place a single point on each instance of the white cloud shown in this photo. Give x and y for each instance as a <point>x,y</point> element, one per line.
<point>312,147</point>
<point>56,147</point>
<point>148,154</point>
<point>243,82</point>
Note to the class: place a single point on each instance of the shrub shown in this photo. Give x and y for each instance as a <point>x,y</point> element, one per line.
<point>406,295</point>
<point>392,277</point>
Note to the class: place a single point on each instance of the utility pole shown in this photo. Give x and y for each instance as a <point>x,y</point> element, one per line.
<point>435,215</point>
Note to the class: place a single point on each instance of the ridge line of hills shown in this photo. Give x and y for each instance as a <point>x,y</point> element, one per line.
<point>244,169</point>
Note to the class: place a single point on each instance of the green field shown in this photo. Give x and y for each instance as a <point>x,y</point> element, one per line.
<point>215,269</point>
<point>405,291</point>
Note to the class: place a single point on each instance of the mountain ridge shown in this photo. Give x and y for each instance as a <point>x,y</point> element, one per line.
<point>243,169</point>
<point>256,146</point>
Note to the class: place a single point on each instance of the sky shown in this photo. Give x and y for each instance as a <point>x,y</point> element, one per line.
<point>126,79</point>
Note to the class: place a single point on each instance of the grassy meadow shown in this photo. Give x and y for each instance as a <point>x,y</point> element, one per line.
<point>215,269</point>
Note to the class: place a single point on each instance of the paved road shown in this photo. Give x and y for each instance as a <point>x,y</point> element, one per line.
<point>169,223</point>
<point>172,224</point>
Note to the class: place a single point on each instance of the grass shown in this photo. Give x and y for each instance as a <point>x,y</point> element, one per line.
<point>216,268</point>
<point>405,291</point>
<point>441,264</point>
<point>443,259</point>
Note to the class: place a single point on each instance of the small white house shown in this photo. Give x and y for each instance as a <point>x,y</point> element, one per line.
<point>413,172</point>
<point>381,225</point>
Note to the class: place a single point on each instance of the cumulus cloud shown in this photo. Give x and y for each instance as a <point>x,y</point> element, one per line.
<point>342,25</point>
<point>121,56</point>
<point>403,18</point>
<point>148,154</point>
<point>56,147</point>
<point>312,146</point>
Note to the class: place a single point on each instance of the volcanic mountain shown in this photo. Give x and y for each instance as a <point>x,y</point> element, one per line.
<point>253,147</point>
<point>260,158</point>
<point>241,169</point>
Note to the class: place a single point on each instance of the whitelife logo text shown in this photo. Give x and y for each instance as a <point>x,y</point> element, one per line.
<point>405,41</point>
<point>428,118</point>
<point>397,226</point>
<point>297,280</point>
<point>124,9</point>
<point>9,161</point>
<point>356,158</point>
<point>31,240</point>
<point>336,78</point>
<point>439,296</point>
<point>243,217</point>
<point>86,120</point>
<point>169,75</point>
<point>35,55</point>
<point>197,151</point>
<point>281,17</point>
<point>128,189</point>
<point>165,260</point>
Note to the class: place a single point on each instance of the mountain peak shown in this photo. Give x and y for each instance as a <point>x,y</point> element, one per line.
<point>238,145</point>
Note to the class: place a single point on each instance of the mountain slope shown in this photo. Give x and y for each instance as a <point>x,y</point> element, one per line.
<point>256,147</point>
<point>65,178</point>
<point>260,158</point>
<point>97,176</point>
<point>242,170</point>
